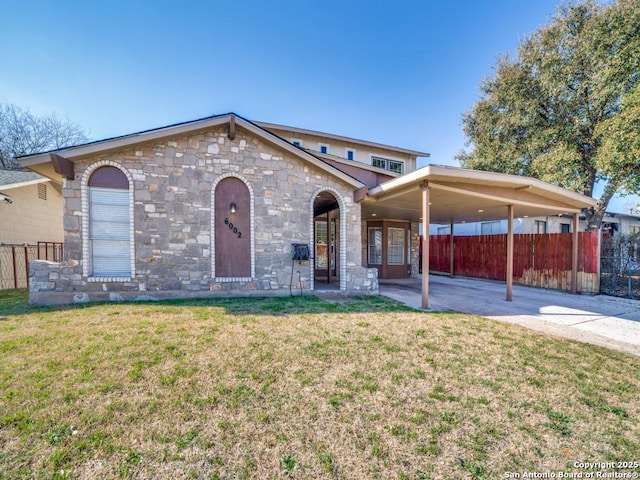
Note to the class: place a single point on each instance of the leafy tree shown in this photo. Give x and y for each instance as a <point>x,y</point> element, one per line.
<point>566,110</point>
<point>22,133</point>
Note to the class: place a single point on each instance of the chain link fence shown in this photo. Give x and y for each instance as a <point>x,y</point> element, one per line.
<point>620,266</point>
<point>14,261</point>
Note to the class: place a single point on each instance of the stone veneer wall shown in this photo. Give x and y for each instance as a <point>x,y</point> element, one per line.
<point>415,250</point>
<point>171,210</point>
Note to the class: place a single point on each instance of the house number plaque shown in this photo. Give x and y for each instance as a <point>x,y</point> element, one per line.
<point>233,228</point>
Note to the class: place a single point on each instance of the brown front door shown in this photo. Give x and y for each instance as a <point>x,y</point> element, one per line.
<point>232,229</point>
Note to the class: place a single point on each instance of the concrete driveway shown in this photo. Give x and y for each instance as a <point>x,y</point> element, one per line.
<point>600,320</point>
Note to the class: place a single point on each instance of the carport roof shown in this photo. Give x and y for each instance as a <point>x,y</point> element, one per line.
<point>462,195</point>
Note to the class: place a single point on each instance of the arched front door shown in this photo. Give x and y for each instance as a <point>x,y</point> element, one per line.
<point>232,229</point>
<point>326,213</point>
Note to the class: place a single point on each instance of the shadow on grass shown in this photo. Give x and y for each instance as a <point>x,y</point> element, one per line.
<point>16,302</point>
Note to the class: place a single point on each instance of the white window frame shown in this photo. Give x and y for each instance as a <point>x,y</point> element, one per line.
<point>396,246</point>
<point>386,163</point>
<point>321,146</point>
<point>376,257</point>
<point>353,154</point>
<point>297,142</point>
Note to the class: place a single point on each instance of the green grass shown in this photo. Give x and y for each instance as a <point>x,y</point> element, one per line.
<point>300,388</point>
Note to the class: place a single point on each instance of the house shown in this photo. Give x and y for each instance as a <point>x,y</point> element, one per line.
<point>30,208</point>
<point>223,205</point>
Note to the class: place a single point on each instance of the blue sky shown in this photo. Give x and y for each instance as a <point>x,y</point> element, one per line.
<point>397,72</point>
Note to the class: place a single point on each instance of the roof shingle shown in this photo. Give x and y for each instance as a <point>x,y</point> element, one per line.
<point>11,177</point>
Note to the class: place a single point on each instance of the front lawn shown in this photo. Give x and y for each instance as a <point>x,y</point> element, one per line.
<point>301,388</point>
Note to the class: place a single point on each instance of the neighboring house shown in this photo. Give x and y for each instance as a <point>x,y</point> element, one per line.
<point>30,208</point>
<point>623,223</point>
<point>611,223</point>
<point>222,205</point>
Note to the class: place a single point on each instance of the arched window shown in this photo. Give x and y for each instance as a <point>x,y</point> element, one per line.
<point>109,223</point>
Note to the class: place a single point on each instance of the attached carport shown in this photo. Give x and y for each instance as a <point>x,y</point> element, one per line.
<point>449,195</point>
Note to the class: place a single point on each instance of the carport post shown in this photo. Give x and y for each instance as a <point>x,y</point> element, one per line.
<point>425,244</point>
<point>574,255</point>
<point>510,253</point>
<point>451,250</point>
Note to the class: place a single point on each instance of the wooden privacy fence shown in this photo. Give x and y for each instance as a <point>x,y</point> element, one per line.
<point>540,260</point>
<point>14,261</point>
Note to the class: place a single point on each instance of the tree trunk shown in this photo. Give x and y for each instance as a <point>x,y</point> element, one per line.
<point>595,214</point>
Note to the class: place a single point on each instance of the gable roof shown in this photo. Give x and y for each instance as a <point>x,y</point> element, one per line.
<point>19,178</point>
<point>303,131</point>
<point>43,162</point>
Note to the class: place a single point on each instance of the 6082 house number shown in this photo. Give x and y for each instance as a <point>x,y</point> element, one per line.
<point>232,227</point>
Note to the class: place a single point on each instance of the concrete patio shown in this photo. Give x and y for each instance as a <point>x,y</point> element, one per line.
<point>601,320</point>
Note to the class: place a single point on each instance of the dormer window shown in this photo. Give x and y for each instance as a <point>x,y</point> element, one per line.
<point>323,148</point>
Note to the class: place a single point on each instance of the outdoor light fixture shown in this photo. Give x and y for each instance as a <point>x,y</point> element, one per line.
<point>232,208</point>
<point>6,199</point>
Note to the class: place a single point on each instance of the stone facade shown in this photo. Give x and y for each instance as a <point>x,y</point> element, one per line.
<point>172,187</point>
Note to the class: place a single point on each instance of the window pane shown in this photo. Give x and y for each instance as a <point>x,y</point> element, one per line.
<point>375,246</point>
<point>395,247</point>
<point>321,244</point>
<point>110,213</point>
<point>321,232</point>
<point>395,166</point>
<point>379,162</point>
<point>107,230</point>
<point>110,258</point>
<point>108,196</point>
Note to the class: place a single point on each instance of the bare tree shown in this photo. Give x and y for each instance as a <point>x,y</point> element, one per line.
<point>22,133</point>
